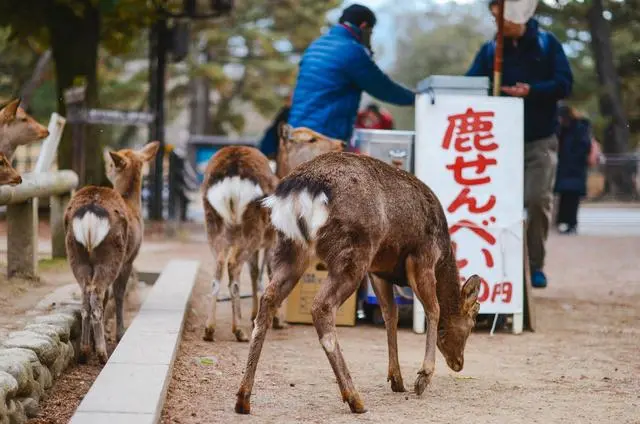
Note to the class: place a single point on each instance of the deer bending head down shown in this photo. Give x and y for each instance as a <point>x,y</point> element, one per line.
<point>359,215</point>
<point>17,128</point>
<point>237,178</point>
<point>104,231</point>
<point>8,175</point>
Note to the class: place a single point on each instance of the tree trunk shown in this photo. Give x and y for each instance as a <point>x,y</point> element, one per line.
<point>616,142</point>
<point>74,44</point>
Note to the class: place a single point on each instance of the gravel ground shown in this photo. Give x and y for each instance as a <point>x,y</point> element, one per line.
<point>581,366</point>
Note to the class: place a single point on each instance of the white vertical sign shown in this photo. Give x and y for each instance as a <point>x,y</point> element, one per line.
<point>469,151</point>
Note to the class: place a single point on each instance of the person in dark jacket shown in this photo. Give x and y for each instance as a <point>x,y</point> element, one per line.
<point>574,137</point>
<point>334,71</point>
<point>269,143</point>
<point>535,68</point>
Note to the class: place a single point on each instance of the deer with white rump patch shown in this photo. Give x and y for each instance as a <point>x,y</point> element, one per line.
<point>104,229</point>
<point>359,215</point>
<point>236,179</point>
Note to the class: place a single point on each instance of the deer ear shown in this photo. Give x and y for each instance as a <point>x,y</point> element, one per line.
<point>10,110</point>
<point>118,160</point>
<point>284,131</point>
<point>149,151</point>
<point>470,291</point>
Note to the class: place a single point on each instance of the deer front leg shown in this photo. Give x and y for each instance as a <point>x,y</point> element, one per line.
<point>325,306</point>
<point>384,293</point>
<point>119,289</point>
<point>284,280</point>
<point>210,326</point>
<point>237,259</point>
<point>96,300</point>
<point>422,279</point>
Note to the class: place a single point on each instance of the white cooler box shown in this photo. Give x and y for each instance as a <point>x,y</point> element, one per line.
<point>391,146</point>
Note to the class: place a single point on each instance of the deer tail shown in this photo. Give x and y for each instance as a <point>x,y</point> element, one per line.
<point>90,226</point>
<point>231,196</point>
<point>298,214</point>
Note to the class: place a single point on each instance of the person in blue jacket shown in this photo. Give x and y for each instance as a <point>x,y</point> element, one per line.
<point>334,71</point>
<point>574,135</point>
<point>535,68</point>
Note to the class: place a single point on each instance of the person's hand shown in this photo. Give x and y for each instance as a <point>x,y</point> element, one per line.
<point>519,90</point>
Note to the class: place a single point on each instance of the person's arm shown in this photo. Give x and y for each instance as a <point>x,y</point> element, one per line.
<point>479,67</point>
<point>369,77</point>
<point>559,87</point>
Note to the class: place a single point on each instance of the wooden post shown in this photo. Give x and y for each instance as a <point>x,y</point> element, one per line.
<point>58,205</point>
<point>497,58</point>
<point>22,239</point>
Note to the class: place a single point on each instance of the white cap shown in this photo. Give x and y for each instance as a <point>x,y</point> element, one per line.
<point>519,11</point>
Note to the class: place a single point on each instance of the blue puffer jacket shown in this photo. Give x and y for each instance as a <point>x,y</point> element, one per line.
<point>573,151</point>
<point>537,59</point>
<point>334,71</point>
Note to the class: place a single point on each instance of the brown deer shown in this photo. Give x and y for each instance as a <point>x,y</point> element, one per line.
<point>236,179</point>
<point>8,175</point>
<point>298,145</point>
<point>17,128</point>
<point>358,215</point>
<point>104,229</point>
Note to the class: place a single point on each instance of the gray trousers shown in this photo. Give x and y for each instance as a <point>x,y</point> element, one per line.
<point>540,161</point>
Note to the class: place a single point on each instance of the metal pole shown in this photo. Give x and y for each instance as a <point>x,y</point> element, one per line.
<point>497,60</point>
<point>157,68</point>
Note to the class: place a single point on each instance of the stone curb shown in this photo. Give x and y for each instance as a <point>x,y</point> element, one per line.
<point>31,359</point>
<point>132,386</point>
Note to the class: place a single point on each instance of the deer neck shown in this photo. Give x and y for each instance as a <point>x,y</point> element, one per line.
<point>7,143</point>
<point>448,290</point>
<point>131,192</point>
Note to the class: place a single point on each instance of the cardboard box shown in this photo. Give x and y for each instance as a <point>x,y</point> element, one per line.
<point>301,298</point>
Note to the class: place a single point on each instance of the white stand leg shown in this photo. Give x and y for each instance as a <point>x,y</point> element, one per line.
<point>418,316</point>
<point>518,321</point>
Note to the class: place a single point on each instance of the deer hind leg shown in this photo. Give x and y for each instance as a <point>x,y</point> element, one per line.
<point>236,261</point>
<point>83,274</point>
<point>291,261</point>
<point>384,293</point>
<point>210,326</point>
<point>119,289</point>
<point>331,295</point>
<point>422,279</point>
<point>278,319</point>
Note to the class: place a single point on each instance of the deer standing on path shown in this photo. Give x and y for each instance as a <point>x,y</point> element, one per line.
<point>357,215</point>
<point>236,179</point>
<point>8,175</point>
<point>17,128</point>
<point>104,229</point>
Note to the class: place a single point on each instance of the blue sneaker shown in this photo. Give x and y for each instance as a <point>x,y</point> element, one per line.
<point>538,279</point>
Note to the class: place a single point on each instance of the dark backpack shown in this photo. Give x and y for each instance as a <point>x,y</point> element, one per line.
<point>543,42</point>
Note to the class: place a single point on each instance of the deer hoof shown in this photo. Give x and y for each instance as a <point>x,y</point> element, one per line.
<point>397,385</point>
<point>241,336</point>
<point>422,382</point>
<point>243,404</point>
<point>102,357</point>
<point>208,334</point>
<point>357,406</point>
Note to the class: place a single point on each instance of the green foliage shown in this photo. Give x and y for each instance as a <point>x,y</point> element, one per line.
<point>568,21</point>
<point>252,55</point>
<point>439,41</point>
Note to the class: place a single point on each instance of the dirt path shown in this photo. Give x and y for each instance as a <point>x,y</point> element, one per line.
<point>581,366</point>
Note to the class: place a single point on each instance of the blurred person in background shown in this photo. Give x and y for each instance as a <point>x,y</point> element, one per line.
<point>269,143</point>
<point>374,118</point>
<point>575,145</point>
